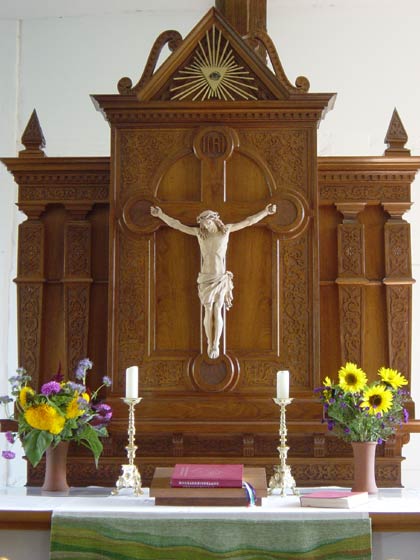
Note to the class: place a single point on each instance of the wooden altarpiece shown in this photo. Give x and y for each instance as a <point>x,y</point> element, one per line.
<point>324,280</point>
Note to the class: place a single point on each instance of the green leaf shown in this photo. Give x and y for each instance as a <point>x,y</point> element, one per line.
<point>35,444</point>
<point>90,439</point>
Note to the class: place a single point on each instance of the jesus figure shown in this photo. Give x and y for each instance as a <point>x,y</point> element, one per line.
<point>215,283</point>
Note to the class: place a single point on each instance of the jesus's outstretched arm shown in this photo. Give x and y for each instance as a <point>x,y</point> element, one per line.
<point>255,218</point>
<point>172,222</point>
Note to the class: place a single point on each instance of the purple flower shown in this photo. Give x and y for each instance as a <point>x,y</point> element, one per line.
<point>104,410</point>
<point>8,455</point>
<point>5,399</point>
<point>106,381</point>
<point>331,424</point>
<point>406,415</point>
<point>50,388</point>
<point>346,430</point>
<point>104,415</point>
<point>380,440</point>
<point>10,437</point>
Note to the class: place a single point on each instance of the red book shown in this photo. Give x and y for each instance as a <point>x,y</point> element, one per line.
<point>334,499</point>
<point>207,476</point>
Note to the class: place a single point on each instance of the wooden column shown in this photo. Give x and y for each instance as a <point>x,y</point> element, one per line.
<point>351,277</point>
<point>77,280</point>
<point>398,282</point>
<point>30,290</point>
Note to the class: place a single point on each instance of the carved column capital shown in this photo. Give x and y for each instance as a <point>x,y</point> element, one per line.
<point>78,211</point>
<point>396,210</point>
<point>350,210</point>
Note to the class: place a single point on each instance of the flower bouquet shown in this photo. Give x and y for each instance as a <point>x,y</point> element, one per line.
<point>61,411</point>
<point>358,411</point>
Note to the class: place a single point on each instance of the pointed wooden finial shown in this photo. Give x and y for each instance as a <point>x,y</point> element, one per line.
<point>396,137</point>
<point>33,138</point>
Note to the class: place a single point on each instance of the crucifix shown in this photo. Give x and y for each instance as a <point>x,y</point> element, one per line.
<point>213,146</point>
<point>215,283</point>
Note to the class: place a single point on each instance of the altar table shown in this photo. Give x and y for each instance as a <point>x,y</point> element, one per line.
<point>25,518</point>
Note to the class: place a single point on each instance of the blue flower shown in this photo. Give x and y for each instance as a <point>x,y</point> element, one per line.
<point>76,386</point>
<point>82,366</point>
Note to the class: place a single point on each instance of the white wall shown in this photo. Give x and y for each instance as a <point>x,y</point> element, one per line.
<point>9,45</point>
<point>366,50</point>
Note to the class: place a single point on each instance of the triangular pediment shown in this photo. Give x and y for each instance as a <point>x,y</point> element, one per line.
<point>213,63</point>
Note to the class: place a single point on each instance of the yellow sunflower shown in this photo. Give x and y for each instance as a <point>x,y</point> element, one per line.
<point>44,417</point>
<point>392,377</point>
<point>377,399</point>
<point>23,396</point>
<point>351,378</point>
<point>73,409</point>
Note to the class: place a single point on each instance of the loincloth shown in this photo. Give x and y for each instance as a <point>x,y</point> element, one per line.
<point>215,287</point>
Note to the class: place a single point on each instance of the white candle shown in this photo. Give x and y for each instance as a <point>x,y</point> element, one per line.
<point>132,382</point>
<point>283,384</point>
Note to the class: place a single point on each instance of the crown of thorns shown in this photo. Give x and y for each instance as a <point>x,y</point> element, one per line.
<point>208,215</point>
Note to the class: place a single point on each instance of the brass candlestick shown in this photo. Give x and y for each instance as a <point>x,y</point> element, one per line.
<point>130,476</point>
<point>282,477</point>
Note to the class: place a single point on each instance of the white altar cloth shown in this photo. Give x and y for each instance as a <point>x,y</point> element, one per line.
<point>386,546</point>
<point>99,499</point>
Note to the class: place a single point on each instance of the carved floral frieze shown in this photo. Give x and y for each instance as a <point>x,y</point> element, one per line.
<point>351,250</point>
<point>30,301</point>
<point>399,310</point>
<point>161,374</point>
<point>351,314</point>
<point>295,318</point>
<point>77,322</point>
<point>346,192</point>
<point>142,152</point>
<point>130,295</point>
<point>31,248</point>
<point>285,152</point>
<point>397,247</point>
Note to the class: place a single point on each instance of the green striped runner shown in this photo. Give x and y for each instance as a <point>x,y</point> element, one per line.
<point>123,538</point>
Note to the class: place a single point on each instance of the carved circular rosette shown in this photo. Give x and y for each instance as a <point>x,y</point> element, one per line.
<point>215,142</point>
<point>214,376</point>
<point>136,216</point>
<point>292,215</point>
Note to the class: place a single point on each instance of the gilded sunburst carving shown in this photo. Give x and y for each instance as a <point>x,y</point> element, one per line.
<point>214,73</point>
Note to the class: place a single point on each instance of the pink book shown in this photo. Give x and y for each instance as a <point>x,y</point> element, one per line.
<point>207,476</point>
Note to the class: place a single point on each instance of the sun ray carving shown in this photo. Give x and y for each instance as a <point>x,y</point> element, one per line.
<point>214,73</point>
